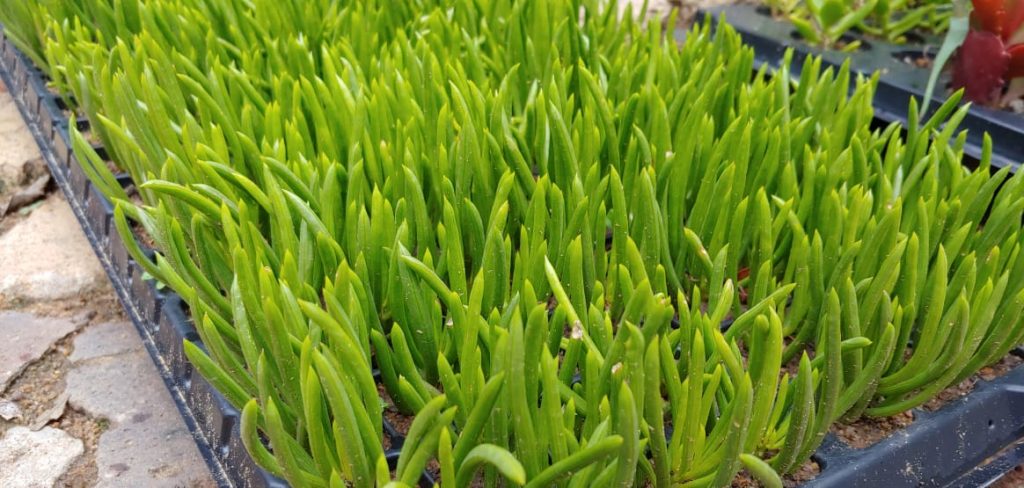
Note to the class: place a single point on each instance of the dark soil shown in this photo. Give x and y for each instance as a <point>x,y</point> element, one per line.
<point>398,420</point>
<point>867,431</point>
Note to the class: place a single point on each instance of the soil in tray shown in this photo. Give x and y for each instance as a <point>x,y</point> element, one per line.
<point>398,420</point>
<point>401,423</point>
<point>1013,479</point>
<point>807,472</point>
<point>966,386</point>
<point>867,431</point>
<point>142,236</point>
<point>923,60</point>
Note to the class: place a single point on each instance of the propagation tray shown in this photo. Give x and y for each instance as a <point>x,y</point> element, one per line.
<point>159,315</point>
<point>970,442</point>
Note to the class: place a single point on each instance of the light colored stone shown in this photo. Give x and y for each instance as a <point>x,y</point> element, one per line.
<point>106,339</point>
<point>117,388</point>
<point>151,451</point>
<point>36,459</point>
<point>17,147</point>
<point>147,443</point>
<point>53,413</point>
<point>46,256</point>
<point>9,410</point>
<point>26,338</point>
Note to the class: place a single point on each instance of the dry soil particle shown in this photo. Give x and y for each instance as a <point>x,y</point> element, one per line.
<point>1004,366</point>
<point>97,305</point>
<point>918,60</point>
<point>37,391</point>
<point>143,236</point>
<point>808,471</point>
<point>951,394</point>
<point>40,384</point>
<point>84,471</point>
<point>867,431</point>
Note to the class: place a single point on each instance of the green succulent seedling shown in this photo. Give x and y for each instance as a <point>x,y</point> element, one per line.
<point>825,22</point>
<point>829,22</point>
<point>535,228</point>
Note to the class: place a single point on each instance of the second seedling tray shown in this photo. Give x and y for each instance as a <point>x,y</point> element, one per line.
<point>899,81</point>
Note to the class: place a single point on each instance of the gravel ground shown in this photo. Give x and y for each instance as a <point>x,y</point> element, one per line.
<point>81,404</point>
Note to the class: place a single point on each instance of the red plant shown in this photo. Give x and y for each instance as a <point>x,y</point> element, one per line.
<point>993,52</point>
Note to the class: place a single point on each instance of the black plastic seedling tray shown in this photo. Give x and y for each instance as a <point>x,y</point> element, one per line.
<point>960,445</point>
<point>968,443</point>
<point>160,316</point>
<point>899,81</point>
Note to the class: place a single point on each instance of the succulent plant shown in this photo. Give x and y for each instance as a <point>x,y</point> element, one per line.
<point>828,22</point>
<point>577,252</point>
<point>991,56</point>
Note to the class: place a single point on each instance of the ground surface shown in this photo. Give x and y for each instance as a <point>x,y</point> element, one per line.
<point>81,403</point>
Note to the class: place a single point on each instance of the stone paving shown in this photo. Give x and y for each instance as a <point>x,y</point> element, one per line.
<point>81,403</point>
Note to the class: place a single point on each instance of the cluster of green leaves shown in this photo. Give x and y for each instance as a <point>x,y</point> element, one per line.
<point>533,217</point>
<point>826,22</point>
<point>25,23</point>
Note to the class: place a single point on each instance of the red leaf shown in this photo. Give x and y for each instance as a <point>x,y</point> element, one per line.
<point>1014,18</point>
<point>980,66</point>
<point>1015,67</point>
<point>988,15</point>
